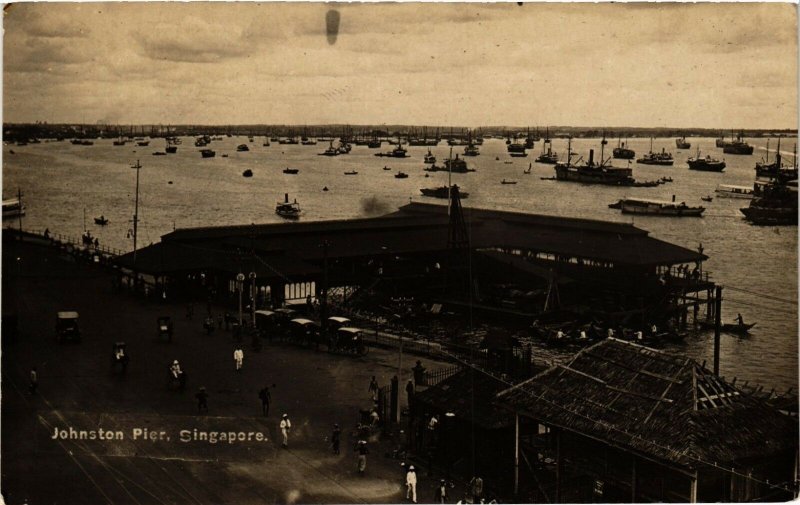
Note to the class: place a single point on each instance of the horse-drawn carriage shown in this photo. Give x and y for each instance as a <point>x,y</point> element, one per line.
<point>164,324</point>
<point>304,332</point>
<point>120,357</point>
<point>67,326</point>
<point>348,340</point>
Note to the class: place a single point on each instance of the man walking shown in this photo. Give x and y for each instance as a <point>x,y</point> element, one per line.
<point>362,451</point>
<point>202,400</point>
<point>410,392</point>
<point>336,438</point>
<point>34,378</point>
<point>238,358</point>
<point>265,397</point>
<point>411,484</point>
<point>285,426</point>
<point>373,389</point>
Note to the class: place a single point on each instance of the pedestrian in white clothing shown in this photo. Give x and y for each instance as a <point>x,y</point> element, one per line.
<point>238,357</point>
<point>411,484</point>
<point>286,425</point>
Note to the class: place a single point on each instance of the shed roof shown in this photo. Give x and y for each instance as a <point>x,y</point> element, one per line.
<point>654,403</point>
<point>414,228</point>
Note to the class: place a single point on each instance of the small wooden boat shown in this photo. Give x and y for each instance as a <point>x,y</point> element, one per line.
<point>291,171</point>
<point>504,181</point>
<point>102,220</point>
<point>386,168</point>
<point>706,198</point>
<point>207,153</point>
<point>401,175</point>
<point>159,153</point>
<point>733,328</point>
<point>351,172</point>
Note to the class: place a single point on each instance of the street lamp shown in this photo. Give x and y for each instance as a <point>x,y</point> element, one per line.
<point>253,297</point>
<point>448,444</point>
<point>239,283</point>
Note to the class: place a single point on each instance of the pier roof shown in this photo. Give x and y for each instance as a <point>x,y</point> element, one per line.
<point>653,403</point>
<point>418,228</point>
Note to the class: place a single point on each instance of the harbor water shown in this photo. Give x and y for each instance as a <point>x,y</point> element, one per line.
<point>65,186</point>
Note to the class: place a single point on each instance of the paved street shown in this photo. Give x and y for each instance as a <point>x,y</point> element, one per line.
<point>79,390</point>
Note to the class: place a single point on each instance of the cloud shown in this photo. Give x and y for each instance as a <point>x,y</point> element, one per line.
<point>193,40</point>
<point>50,23</point>
<point>43,54</point>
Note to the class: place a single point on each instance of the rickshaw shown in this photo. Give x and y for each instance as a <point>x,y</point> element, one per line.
<point>265,323</point>
<point>351,341</point>
<point>119,356</point>
<point>336,322</point>
<point>304,331</point>
<point>164,324</point>
<point>282,318</point>
<point>67,326</point>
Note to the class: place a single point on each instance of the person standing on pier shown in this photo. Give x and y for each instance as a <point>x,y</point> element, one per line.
<point>34,381</point>
<point>238,358</point>
<point>265,397</point>
<point>202,400</point>
<point>285,426</point>
<point>411,484</point>
<point>362,450</point>
<point>336,438</point>
<point>373,389</point>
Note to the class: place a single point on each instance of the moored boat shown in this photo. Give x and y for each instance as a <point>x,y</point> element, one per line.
<point>591,172</point>
<point>682,144</point>
<point>102,220</point>
<point>13,208</point>
<point>430,158</point>
<point>401,175</point>
<point>207,153</point>
<point>288,210</point>
<point>242,148</point>
<point>442,192</point>
<point>621,152</point>
<point>737,146</point>
<point>774,205</point>
<point>663,158</point>
<point>657,208</point>
<point>291,171</point>
<point>730,191</point>
<point>549,157</point>
<point>707,164</point>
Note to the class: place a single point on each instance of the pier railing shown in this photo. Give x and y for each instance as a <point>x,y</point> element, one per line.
<point>63,240</point>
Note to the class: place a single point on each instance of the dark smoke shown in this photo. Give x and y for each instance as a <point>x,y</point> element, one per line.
<point>373,206</point>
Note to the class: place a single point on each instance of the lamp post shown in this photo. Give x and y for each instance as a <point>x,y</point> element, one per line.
<point>447,444</point>
<point>253,297</point>
<point>240,284</point>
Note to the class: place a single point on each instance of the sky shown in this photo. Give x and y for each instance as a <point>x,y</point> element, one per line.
<point>650,65</point>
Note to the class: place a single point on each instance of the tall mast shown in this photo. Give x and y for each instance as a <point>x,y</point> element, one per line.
<point>768,151</point>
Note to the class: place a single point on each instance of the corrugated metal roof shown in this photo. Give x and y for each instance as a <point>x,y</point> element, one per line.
<point>654,403</point>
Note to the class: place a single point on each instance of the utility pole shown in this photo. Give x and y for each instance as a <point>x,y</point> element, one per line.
<point>717,327</point>
<point>323,307</point>
<point>21,210</point>
<point>137,166</point>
